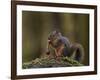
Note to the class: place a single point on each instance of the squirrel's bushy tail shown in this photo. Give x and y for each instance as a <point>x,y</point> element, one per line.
<point>77,52</point>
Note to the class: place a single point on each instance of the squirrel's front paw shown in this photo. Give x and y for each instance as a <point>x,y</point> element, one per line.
<point>58,58</point>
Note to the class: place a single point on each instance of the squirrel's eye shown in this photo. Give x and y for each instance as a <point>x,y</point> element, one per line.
<point>53,35</point>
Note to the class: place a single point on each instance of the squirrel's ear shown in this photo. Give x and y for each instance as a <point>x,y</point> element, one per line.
<point>57,31</point>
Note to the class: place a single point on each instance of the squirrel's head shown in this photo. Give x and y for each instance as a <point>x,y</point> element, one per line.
<point>54,35</point>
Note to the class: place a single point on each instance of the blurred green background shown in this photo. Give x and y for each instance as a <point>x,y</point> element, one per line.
<point>36,27</point>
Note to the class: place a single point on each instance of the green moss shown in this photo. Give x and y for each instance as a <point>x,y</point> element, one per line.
<point>47,63</point>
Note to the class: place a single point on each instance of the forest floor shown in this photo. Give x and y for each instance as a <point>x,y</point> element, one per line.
<point>51,62</point>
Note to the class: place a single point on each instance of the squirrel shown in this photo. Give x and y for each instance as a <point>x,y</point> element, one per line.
<point>61,46</point>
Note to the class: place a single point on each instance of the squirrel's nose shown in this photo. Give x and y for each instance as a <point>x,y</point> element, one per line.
<point>49,41</point>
